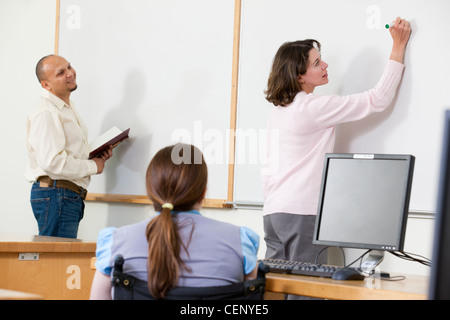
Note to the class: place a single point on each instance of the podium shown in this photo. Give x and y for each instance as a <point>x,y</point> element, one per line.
<point>51,267</point>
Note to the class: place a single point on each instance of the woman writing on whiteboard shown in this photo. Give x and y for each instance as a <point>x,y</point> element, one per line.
<point>305,124</point>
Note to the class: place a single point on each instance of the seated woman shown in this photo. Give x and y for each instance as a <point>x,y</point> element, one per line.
<point>178,247</point>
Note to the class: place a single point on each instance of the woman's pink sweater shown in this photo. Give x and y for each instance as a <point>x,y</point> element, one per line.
<point>306,131</point>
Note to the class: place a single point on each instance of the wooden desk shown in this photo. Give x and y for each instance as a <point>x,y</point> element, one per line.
<point>411,288</point>
<point>54,268</point>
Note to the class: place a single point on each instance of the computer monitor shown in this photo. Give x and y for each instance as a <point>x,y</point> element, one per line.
<point>364,201</point>
<point>440,262</point>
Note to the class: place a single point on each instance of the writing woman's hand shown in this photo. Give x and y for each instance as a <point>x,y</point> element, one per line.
<point>400,33</point>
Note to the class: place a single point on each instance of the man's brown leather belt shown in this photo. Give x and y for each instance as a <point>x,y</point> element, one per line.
<point>46,181</point>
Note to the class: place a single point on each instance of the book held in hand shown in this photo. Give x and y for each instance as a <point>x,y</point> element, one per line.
<point>112,137</point>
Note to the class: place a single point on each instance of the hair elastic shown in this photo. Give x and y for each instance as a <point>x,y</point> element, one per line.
<point>167,206</point>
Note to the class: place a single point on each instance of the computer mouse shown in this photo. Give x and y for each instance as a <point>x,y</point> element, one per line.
<point>347,274</point>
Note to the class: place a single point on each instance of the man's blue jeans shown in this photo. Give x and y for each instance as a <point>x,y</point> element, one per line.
<point>58,211</point>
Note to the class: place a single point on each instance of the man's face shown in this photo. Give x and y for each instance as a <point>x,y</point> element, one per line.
<point>60,77</point>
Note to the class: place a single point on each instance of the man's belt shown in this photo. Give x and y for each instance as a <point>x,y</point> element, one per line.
<point>46,181</point>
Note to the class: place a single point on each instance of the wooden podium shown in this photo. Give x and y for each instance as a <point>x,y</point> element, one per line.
<point>53,268</point>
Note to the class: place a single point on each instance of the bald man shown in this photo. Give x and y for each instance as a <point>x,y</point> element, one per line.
<point>57,145</point>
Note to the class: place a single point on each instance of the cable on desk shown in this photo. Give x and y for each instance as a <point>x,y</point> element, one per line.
<point>395,278</point>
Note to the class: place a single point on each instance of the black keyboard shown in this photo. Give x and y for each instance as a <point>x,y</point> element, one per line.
<point>300,268</point>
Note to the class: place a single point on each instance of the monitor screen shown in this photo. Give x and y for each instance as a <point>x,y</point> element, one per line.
<point>364,201</point>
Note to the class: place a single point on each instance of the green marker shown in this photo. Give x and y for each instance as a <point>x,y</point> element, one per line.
<point>388,26</point>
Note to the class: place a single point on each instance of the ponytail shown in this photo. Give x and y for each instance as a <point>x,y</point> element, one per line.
<point>163,254</point>
<point>171,187</point>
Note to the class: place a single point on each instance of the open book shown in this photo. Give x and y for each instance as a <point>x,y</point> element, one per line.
<point>112,137</point>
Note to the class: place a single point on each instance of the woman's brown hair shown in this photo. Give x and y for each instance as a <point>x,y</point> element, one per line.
<point>291,60</point>
<point>177,175</point>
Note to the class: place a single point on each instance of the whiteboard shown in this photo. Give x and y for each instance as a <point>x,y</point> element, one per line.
<point>161,68</point>
<point>356,46</point>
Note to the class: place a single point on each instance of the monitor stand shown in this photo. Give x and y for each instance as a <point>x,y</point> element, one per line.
<point>372,261</point>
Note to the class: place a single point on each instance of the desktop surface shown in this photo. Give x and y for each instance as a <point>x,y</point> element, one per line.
<point>413,287</point>
<point>11,242</point>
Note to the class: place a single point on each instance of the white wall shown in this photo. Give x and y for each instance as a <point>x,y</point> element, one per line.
<point>27,31</point>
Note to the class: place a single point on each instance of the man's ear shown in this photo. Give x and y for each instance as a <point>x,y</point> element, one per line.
<point>45,84</point>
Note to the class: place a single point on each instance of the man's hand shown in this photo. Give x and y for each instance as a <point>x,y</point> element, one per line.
<point>101,159</point>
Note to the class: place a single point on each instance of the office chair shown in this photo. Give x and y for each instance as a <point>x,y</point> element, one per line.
<point>127,287</point>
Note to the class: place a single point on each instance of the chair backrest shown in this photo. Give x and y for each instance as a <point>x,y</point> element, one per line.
<point>127,287</point>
